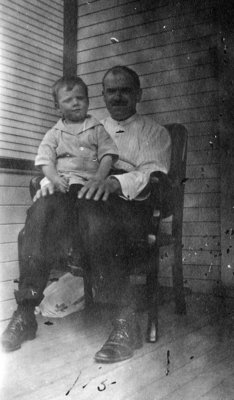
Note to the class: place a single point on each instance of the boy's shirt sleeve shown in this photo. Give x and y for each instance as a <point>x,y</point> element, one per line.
<point>46,153</point>
<point>106,145</point>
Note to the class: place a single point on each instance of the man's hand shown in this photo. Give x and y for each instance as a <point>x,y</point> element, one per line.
<point>99,189</point>
<point>46,190</point>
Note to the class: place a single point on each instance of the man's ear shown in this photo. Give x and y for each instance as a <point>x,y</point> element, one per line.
<point>139,94</point>
<point>104,96</point>
<point>59,113</point>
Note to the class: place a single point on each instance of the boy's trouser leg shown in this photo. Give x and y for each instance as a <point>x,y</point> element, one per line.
<point>46,228</point>
<point>46,225</point>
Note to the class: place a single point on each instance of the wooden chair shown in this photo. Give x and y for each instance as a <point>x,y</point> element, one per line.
<point>172,206</point>
<point>149,248</point>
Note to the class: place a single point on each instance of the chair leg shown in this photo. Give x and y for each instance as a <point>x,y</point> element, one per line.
<point>20,245</point>
<point>79,267</point>
<point>152,289</point>
<point>177,276</point>
<point>88,291</point>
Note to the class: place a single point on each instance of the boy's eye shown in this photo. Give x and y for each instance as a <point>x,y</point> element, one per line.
<point>69,100</point>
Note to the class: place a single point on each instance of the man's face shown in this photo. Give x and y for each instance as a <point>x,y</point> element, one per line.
<point>73,104</point>
<point>120,95</point>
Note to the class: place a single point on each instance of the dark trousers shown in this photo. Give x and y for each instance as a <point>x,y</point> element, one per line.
<point>44,241</point>
<point>103,233</point>
<point>107,232</point>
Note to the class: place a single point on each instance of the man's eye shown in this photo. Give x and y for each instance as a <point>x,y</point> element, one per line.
<point>122,91</point>
<point>126,90</point>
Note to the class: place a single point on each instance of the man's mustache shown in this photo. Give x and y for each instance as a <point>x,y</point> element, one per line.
<point>119,103</point>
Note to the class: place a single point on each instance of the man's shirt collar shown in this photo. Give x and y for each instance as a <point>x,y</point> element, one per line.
<point>124,123</point>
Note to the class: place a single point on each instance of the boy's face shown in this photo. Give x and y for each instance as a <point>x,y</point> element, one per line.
<point>73,104</point>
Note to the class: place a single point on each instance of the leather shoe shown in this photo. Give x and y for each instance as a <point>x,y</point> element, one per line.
<point>123,340</point>
<point>22,326</point>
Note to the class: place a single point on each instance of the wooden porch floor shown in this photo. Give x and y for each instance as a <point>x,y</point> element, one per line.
<point>201,355</point>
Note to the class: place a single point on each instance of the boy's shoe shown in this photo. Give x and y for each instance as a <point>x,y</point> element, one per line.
<point>22,326</point>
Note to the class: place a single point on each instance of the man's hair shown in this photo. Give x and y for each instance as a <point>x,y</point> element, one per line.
<point>68,83</point>
<point>118,69</point>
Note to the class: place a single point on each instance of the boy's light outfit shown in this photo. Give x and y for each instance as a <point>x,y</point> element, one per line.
<point>76,149</point>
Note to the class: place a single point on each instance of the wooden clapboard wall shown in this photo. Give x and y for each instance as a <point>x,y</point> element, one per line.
<point>14,201</point>
<point>173,47</point>
<point>31,60</point>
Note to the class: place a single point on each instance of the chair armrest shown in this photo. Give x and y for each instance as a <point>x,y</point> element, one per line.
<point>162,193</point>
<point>34,185</point>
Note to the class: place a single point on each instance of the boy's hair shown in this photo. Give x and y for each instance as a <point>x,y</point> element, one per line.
<point>122,68</point>
<point>68,83</point>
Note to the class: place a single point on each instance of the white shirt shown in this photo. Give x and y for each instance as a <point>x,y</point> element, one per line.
<point>144,146</point>
<point>76,149</point>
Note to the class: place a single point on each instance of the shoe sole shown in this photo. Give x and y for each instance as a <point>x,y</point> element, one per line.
<point>30,336</point>
<point>137,346</point>
<point>106,361</point>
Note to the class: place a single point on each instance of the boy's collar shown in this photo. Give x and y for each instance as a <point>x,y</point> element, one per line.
<point>89,123</point>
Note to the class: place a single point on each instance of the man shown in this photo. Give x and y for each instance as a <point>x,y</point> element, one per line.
<point>117,211</point>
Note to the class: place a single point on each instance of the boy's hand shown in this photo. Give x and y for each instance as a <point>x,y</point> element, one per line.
<point>45,190</point>
<point>97,188</point>
<point>61,184</point>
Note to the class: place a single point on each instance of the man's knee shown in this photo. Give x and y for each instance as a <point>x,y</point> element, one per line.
<point>39,211</point>
<point>94,226</point>
<point>95,232</point>
<point>21,237</point>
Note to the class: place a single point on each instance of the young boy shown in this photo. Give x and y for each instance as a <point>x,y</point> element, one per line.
<point>77,149</point>
<point>76,152</point>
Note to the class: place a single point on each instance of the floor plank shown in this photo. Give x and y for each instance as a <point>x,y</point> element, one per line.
<point>224,390</point>
<point>201,346</point>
